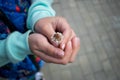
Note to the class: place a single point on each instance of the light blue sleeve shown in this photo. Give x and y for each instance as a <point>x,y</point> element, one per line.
<point>14,48</point>
<point>39,9</point>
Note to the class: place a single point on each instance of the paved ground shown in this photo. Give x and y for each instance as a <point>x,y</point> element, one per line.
<point>97,23</point>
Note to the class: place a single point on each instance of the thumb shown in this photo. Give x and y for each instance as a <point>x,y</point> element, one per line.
<point>49,32</point>
<point>46,28</point>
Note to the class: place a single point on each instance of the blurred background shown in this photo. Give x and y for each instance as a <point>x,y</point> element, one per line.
<point>97,23</point>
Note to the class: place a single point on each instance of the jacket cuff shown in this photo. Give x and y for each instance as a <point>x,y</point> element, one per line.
<point>17,46</point>
<point>38,10</point>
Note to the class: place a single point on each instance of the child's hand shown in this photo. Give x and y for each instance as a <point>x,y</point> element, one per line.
<point>50,25</point>
<point>41,47</point>
<point>39,44</point>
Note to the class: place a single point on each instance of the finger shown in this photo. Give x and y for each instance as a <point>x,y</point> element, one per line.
<point>47,58</point>
<point>47,29</point>
<point>68,52</point>
<point>46,47</point>
<point>69,39</point>
<point>63,27</point>
<point>50,59</point>
<point>76,46</point>
<point>67,36</point>
<point>53,51</point>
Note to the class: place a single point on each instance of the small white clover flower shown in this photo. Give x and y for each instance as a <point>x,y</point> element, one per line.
<point>57,37</point>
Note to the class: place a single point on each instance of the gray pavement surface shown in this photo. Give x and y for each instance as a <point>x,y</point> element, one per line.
<point>97,23</point>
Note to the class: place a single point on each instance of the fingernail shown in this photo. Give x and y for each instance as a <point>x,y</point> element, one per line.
<point>69,43</point>
<point>63,46</point>
<point>61,53</point>
<point>77,39</point>
<point>55,44</point>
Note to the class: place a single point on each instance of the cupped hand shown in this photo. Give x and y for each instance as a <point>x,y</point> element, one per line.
<point>39,43</point>
<point>47,52</point>
<point>50,25</point>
